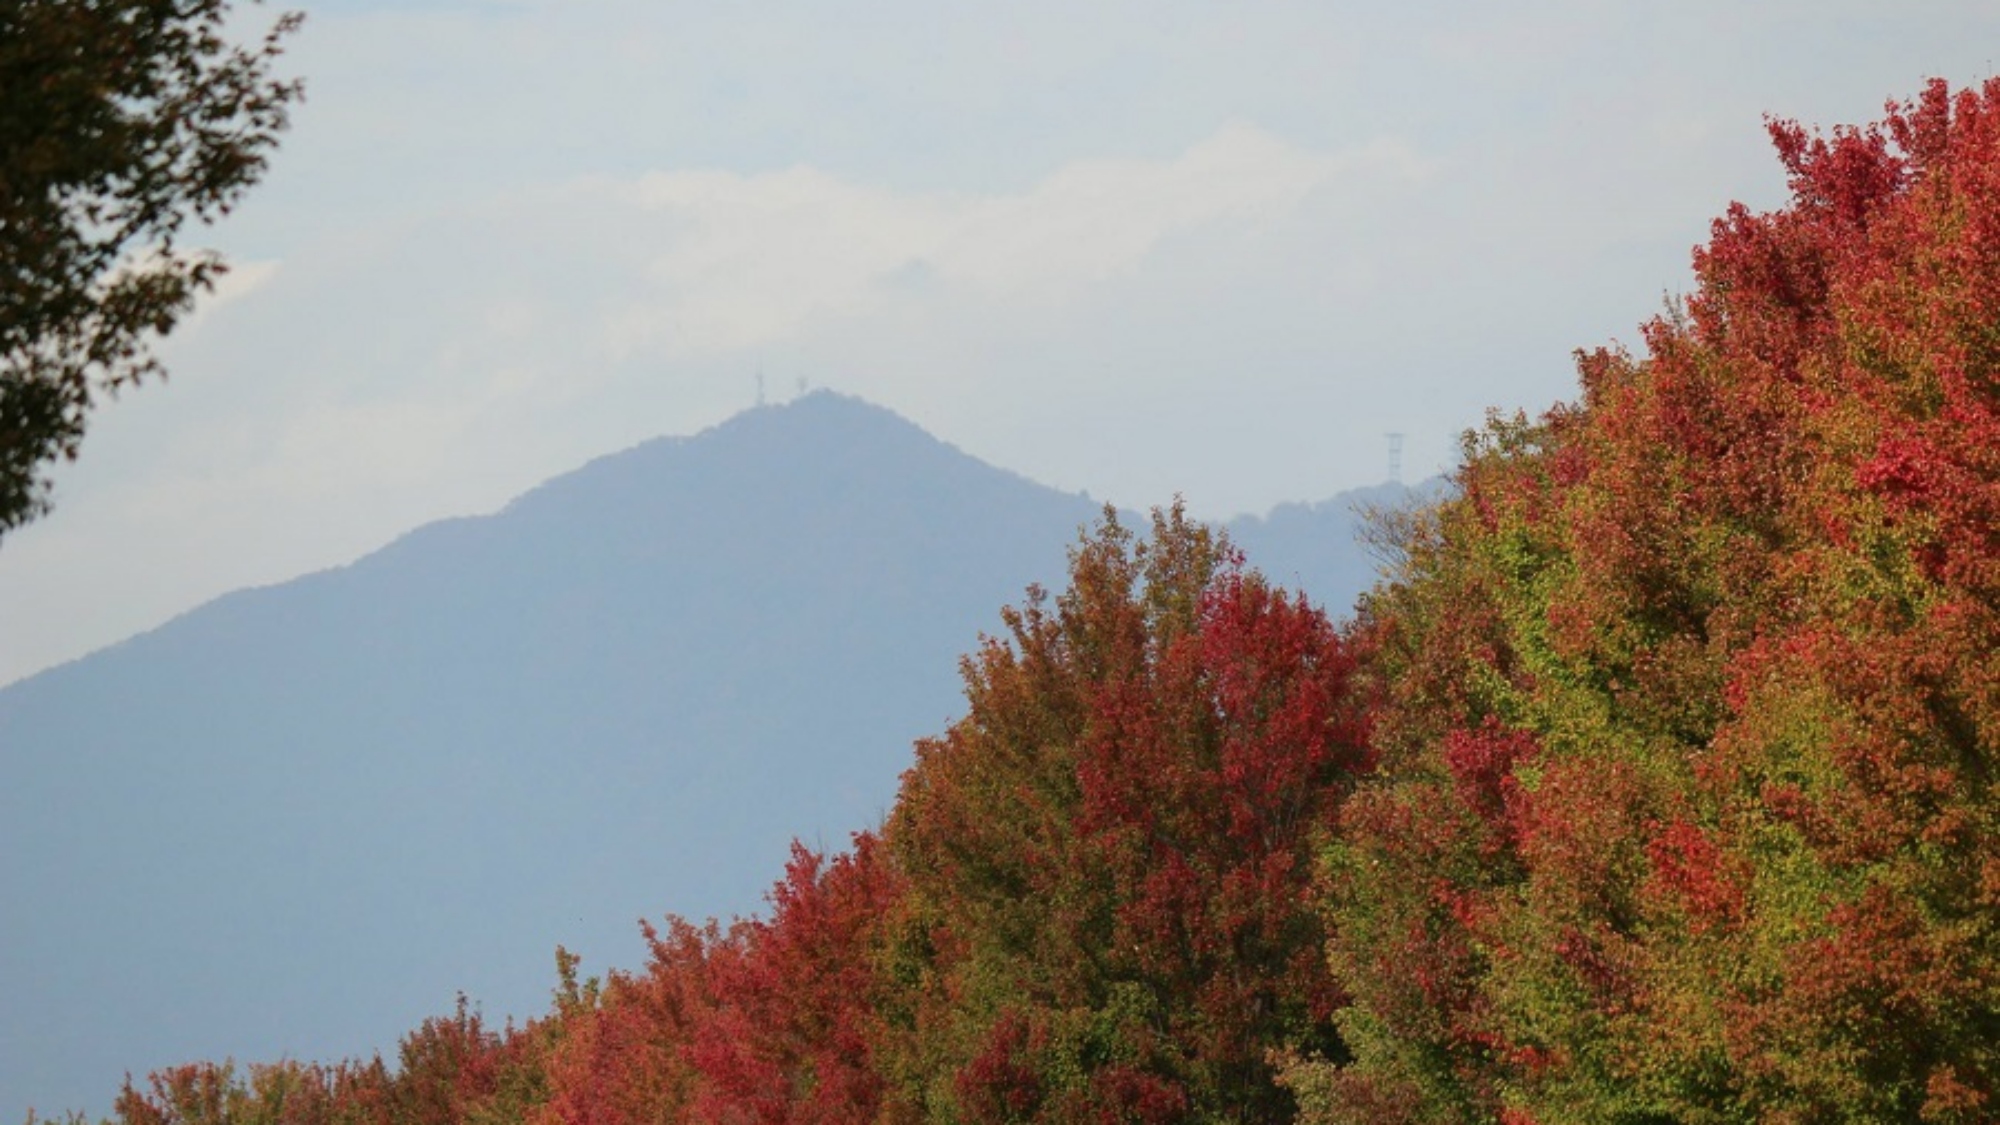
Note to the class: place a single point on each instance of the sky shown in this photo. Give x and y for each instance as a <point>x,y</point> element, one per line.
<point>1213,249</point>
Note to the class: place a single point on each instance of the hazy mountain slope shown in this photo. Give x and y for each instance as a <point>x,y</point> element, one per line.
<point>1318,547</point>
<point>298,819</point>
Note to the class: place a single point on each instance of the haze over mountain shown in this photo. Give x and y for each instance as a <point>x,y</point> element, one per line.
<point>297,819</point>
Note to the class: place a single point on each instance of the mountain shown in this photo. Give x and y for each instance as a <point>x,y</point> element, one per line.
<point>299,819</point>
<point>1322,547</point>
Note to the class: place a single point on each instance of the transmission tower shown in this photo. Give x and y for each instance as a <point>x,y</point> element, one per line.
<point>1395,458</point>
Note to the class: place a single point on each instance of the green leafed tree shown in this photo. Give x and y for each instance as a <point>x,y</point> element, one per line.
<point>120,121</point>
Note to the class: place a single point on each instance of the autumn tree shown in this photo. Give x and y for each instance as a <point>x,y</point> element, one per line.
<point>280,1093</point>
<point>769,1020</point>
<point>451,1070</point>
<point>792,1035</point>
<point>120,121</point>
<point>1106,859</point>
<point>621,1053</point>
<point>1686,808</point>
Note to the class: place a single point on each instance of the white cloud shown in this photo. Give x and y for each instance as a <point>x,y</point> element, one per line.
<point>750,261</point>
<point>241,279</point>
<point>1096,219</point>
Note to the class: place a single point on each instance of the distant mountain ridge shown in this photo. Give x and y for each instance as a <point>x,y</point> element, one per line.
<point>295,820</point>
<point>1322,547</point>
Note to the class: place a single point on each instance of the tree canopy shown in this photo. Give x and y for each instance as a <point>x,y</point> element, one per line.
<point>1686,804</point>
<point>120,121</point>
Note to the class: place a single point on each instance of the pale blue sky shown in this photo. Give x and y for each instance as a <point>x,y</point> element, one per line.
<point>1218,249</point>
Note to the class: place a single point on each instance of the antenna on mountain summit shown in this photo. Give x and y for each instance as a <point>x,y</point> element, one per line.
<point>760,386</point>
<point>1395,458</point>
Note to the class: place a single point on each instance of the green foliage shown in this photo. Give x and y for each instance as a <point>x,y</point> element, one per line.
<point>119,122</point>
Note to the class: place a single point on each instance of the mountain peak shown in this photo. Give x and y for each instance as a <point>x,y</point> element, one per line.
<point>819,441</point>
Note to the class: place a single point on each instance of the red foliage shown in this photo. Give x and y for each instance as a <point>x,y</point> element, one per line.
<point>620,1057</point>
<point>1691,866</point>
<point>1003,1082</point>
<point>1111,855</point>
<point>791,1033</point>
<point>769,1021</point>
<point>1482,768</point>
<point>449,1064</point>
